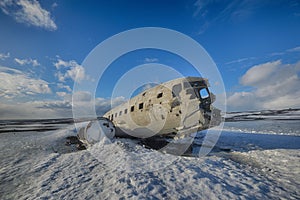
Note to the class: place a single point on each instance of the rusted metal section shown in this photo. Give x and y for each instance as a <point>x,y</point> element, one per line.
<point>173,109</point>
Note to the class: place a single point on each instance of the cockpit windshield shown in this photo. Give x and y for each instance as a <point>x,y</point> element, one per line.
<point>203,93</point>
<point>197,89</point>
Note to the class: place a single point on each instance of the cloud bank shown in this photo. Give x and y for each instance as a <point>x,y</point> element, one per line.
<point>273,85</point>
<point>23,97</point>
<point>16,84</point>
<point>50,109</point>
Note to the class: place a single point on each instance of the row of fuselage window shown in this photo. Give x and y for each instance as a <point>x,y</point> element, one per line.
<point>141,106</point>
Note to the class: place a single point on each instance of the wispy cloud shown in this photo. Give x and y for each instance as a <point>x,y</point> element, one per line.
<point>54,5</point>
<point>249,60</point>
<point>16,84</point>
<point>200,6</point>
<point>292,50</point>
<point>28,12</point>
<point>211,12</point>
<point>3,56</point>
<point>70,70</point>
<point>296,49</point>
<point>150,60</point>
<point>239,60</point>
<point>274,86</point>
<point>29,61</point>
<point>277,53</point>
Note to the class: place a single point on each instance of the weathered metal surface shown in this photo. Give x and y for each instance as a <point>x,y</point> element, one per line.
<point>173,109</point>
<point>94,131</point>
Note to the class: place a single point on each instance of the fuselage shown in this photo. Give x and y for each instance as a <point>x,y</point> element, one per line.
<point>177,107</point>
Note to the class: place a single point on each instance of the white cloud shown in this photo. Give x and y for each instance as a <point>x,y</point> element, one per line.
<point>15,84</point>
<point>259,73</point>
<point>242,101</point>
<point>28,12</point>
<point>30,61</point>
<point>82,96</point>
<point>148,86</point>
<point>274,86</point>
<point>61,94</point>
<point>70,70</point>
<point>62,86</point>
<point>150,60</point>
<point>296,49</point>
<point>84,105</point>
<point>103,105</point>
<point>4,56</point>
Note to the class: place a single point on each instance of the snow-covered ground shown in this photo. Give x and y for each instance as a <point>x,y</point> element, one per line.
<point>279,122</point>
<point>262,164</point>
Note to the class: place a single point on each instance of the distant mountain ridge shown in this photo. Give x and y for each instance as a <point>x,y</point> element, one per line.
<point>283,114</point>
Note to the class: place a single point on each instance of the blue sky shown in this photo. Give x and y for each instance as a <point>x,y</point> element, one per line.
<point>255,45</point>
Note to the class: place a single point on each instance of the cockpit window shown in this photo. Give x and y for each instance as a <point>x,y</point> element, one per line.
<point>203,93</point>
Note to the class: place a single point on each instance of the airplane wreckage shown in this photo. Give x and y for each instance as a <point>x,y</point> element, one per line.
<point>171,110</point>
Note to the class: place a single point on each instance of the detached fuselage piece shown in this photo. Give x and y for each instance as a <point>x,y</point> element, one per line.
<point>172,109</point>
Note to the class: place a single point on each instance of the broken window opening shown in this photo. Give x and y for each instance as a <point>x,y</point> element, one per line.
<point>159,95</point>
<point>132,109</point>
<point>141,106</point>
